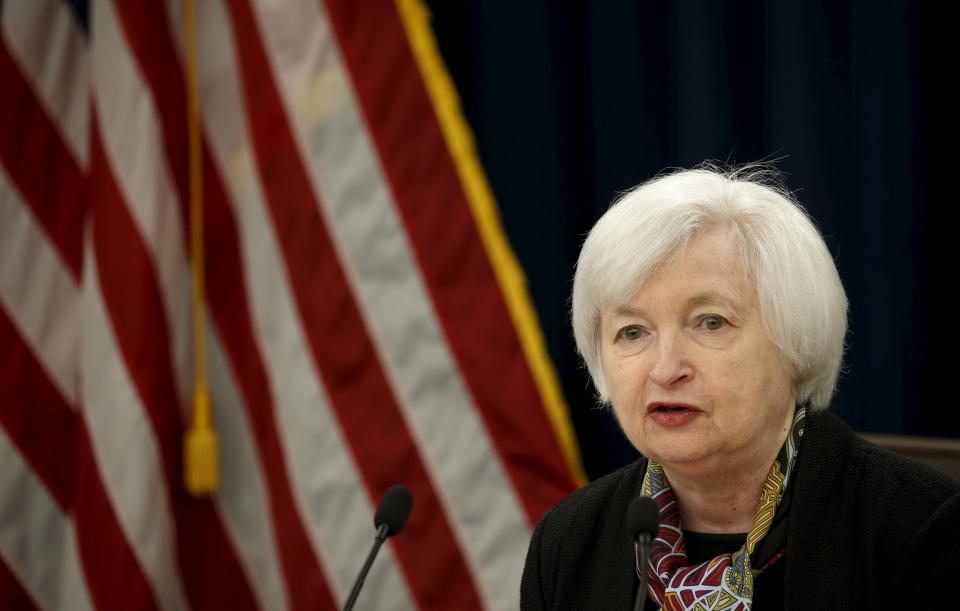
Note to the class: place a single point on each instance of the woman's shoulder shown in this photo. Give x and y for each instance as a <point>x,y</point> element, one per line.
<point>869,516</point>
<point>877,469</point>
<point>591,522</point>
<point>592,502</point>
<point>889,497</point>
<point>580,552</point>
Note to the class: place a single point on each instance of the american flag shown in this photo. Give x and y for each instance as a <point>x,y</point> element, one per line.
<point>367,321</point>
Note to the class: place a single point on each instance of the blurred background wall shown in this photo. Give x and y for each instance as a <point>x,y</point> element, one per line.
<point>572,102</point>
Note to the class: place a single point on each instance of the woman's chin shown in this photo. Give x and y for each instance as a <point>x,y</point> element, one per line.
<point>677,449</point>
<point>680,458</point>
<point>680,445</point>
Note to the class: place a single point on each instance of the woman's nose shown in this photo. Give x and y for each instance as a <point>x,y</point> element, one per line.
<point>672,366</point>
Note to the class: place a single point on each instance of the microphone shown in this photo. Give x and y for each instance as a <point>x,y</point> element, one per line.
<point>643,522</point>
<point>390,519</point>
<point>393,511</point>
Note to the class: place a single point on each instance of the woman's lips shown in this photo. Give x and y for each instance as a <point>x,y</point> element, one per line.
<point>668,414</point>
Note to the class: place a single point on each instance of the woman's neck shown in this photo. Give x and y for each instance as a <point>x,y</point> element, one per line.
<point>718,504</point>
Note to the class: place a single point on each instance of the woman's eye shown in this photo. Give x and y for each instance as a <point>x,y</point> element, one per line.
<point>712,322</point>
<point>632,333</point>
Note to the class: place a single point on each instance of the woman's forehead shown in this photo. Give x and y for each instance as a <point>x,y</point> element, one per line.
<point>705,298</point>
<point>708,271</point>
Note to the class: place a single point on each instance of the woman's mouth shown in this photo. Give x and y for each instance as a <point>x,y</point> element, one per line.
<point>666,414</point>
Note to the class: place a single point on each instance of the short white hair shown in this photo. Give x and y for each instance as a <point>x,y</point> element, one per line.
<point>802,302</point>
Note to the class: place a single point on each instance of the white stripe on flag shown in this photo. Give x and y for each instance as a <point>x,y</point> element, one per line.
<point>373,246</point>
<point>327,485</point>
<point>51,49</point>
<point>242,498</point>
<point>126,451</point>
<point>37,540</point>
<point>38,291</point>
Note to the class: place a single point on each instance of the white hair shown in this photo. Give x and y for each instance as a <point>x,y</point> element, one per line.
<point>802,302</point>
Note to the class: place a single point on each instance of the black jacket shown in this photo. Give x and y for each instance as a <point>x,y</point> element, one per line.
<point>868,529</point>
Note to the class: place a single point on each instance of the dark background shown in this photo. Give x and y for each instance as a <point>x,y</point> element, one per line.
<point>572,102</point>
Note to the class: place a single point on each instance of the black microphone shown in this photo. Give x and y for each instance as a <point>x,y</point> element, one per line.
<point>390,519</point>
<point>643,522</point>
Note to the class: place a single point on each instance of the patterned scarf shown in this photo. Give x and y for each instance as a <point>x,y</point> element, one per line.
<point>725,582</point>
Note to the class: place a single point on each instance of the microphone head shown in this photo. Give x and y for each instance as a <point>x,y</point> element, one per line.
<point>394,509</point>
<point>643,516</point>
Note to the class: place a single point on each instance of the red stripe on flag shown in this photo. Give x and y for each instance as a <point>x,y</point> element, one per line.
<point>114,576</point>
<point>306,583</point>
<point>54,441</point>
<point>345,357</point>
<point>40,164</point>
<point>37,418</point>
<point>449,249</point>
<point>12,594</point>
<point>149,38</point>
<point>135,307</point>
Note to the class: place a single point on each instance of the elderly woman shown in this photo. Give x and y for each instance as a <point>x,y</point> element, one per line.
<point>711,317</point>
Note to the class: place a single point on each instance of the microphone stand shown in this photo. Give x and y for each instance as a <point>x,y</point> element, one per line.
<point>383,531</point>
<point>643,540</point>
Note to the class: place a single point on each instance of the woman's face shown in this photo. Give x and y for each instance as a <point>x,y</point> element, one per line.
<point>694,380</point>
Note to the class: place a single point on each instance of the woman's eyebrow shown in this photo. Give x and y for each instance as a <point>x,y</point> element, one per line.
<point>704,298</point>
<point>627,310</point>
<point>707,298</point>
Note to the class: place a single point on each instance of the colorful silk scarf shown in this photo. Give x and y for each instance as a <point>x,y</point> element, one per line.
<point>725,582</point>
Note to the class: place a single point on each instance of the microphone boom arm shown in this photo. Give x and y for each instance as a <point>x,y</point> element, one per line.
<point>383,531</point>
